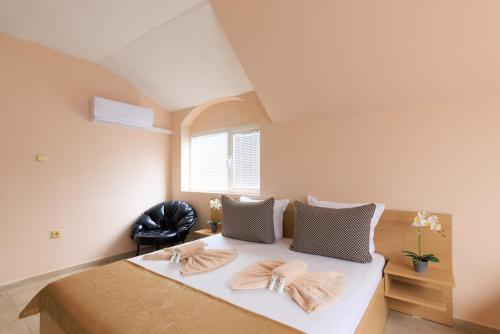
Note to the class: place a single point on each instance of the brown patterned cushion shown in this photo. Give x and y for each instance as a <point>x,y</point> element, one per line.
<point>249,221</point>
<point>339,233</point>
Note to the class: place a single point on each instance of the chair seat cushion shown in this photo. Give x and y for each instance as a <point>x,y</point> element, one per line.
<point>154,237</point>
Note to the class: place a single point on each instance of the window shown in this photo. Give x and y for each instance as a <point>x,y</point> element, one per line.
<point>226,161</point>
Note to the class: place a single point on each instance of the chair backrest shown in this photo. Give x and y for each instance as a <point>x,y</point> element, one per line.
<point>170,215</point>
<point>157,214</point>
<point>179,215</point>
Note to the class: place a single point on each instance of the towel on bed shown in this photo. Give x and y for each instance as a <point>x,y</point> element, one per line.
<point>316,290</point>
<point>184,249</point>
<point>290,271</point>
<point>189,249</point>
<point>195,258</point>
<point>256,276</point>
<point>312,291</point>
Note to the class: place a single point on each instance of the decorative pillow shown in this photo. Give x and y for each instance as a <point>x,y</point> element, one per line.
<point>278,210</point>
<point>250,221</point>
<point>339,233</point>
<point>379,210</point>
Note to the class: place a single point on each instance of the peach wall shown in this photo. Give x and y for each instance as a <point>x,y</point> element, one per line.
<point>98,177</point>
<point>441,158</point>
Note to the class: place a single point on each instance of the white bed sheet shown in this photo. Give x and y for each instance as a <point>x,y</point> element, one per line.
<point>342,317</point>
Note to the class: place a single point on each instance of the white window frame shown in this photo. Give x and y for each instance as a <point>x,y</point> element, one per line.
<point>230,133</point>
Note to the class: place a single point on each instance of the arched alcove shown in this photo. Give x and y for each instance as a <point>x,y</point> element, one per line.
<point>215,114</point>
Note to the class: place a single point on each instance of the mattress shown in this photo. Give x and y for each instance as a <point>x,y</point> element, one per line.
<point>342,317</point>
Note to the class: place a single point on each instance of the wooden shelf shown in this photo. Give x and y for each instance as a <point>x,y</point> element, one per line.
<point>428,294</point>
<point>416,294</point>
<point>434,274</point>
<point>206,232</point>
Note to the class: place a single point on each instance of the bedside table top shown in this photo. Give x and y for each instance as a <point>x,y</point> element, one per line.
<point>434,274</point>
<point>206,231</point>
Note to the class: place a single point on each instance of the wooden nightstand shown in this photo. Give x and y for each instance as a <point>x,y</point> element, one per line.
<point>206,232</point>
<point>427,295</point>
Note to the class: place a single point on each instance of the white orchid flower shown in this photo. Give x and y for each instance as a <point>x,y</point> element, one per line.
<point>436,227</point>
<point>417,222</point>
<point>423,215</point>
<point>421,220</point>
<point>215,203</point>
<point>425,219</point>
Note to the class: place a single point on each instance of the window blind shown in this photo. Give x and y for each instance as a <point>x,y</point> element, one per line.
<point>226,161</point>
<point>246,160</point>
<point>209,157</point>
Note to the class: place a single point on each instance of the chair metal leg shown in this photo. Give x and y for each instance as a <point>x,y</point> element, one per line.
<point>138,247</point>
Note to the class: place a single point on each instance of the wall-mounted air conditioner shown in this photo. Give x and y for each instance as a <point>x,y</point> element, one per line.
<point>109,111</point>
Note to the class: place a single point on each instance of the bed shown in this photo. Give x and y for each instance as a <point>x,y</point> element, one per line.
<point>346,312</point>
<point>140,296</point>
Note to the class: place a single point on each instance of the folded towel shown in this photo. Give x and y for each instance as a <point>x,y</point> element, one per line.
<point>315,291</point>
<point>188,249</point>
<point>206,260</point>
<point>256,276</point>
<point>290,271</point>
<point>164,254</point>
<point>311,291</point>
<point>194,258</point>
<point>184,250</point>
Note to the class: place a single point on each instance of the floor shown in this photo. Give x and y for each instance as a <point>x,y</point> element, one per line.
<point>13,301</point>
<point>398,323</point>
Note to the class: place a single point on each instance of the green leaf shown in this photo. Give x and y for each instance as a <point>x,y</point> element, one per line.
<point>410,253</point>
<point>433,259</point>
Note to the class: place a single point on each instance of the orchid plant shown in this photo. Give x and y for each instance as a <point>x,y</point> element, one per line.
<point>424,220</point>
<point>215,204</point>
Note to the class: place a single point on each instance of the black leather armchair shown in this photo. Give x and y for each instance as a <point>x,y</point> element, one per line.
<point>166,223</point>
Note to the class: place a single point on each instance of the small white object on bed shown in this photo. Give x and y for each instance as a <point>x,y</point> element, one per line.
<point>342,317</point>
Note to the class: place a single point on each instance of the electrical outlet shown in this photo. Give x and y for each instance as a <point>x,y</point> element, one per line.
<point>55,234</point>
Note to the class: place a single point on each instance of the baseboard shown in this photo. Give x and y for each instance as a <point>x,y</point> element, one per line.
<point>63,271</point>
<point>468,326</point>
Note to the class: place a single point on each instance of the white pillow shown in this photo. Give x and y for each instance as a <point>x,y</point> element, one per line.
<point>278,210</point>
<point>379,210</point>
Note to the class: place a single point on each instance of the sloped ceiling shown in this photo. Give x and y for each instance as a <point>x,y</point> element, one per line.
<point>174,51</point>
<point>320,58</point>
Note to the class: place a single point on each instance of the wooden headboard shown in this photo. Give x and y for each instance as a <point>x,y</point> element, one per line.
<point>394,234</point>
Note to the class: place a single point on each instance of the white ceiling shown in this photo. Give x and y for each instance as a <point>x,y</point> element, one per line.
<point>174,51</point>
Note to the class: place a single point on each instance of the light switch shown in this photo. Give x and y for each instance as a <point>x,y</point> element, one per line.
<point>42,158</point>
